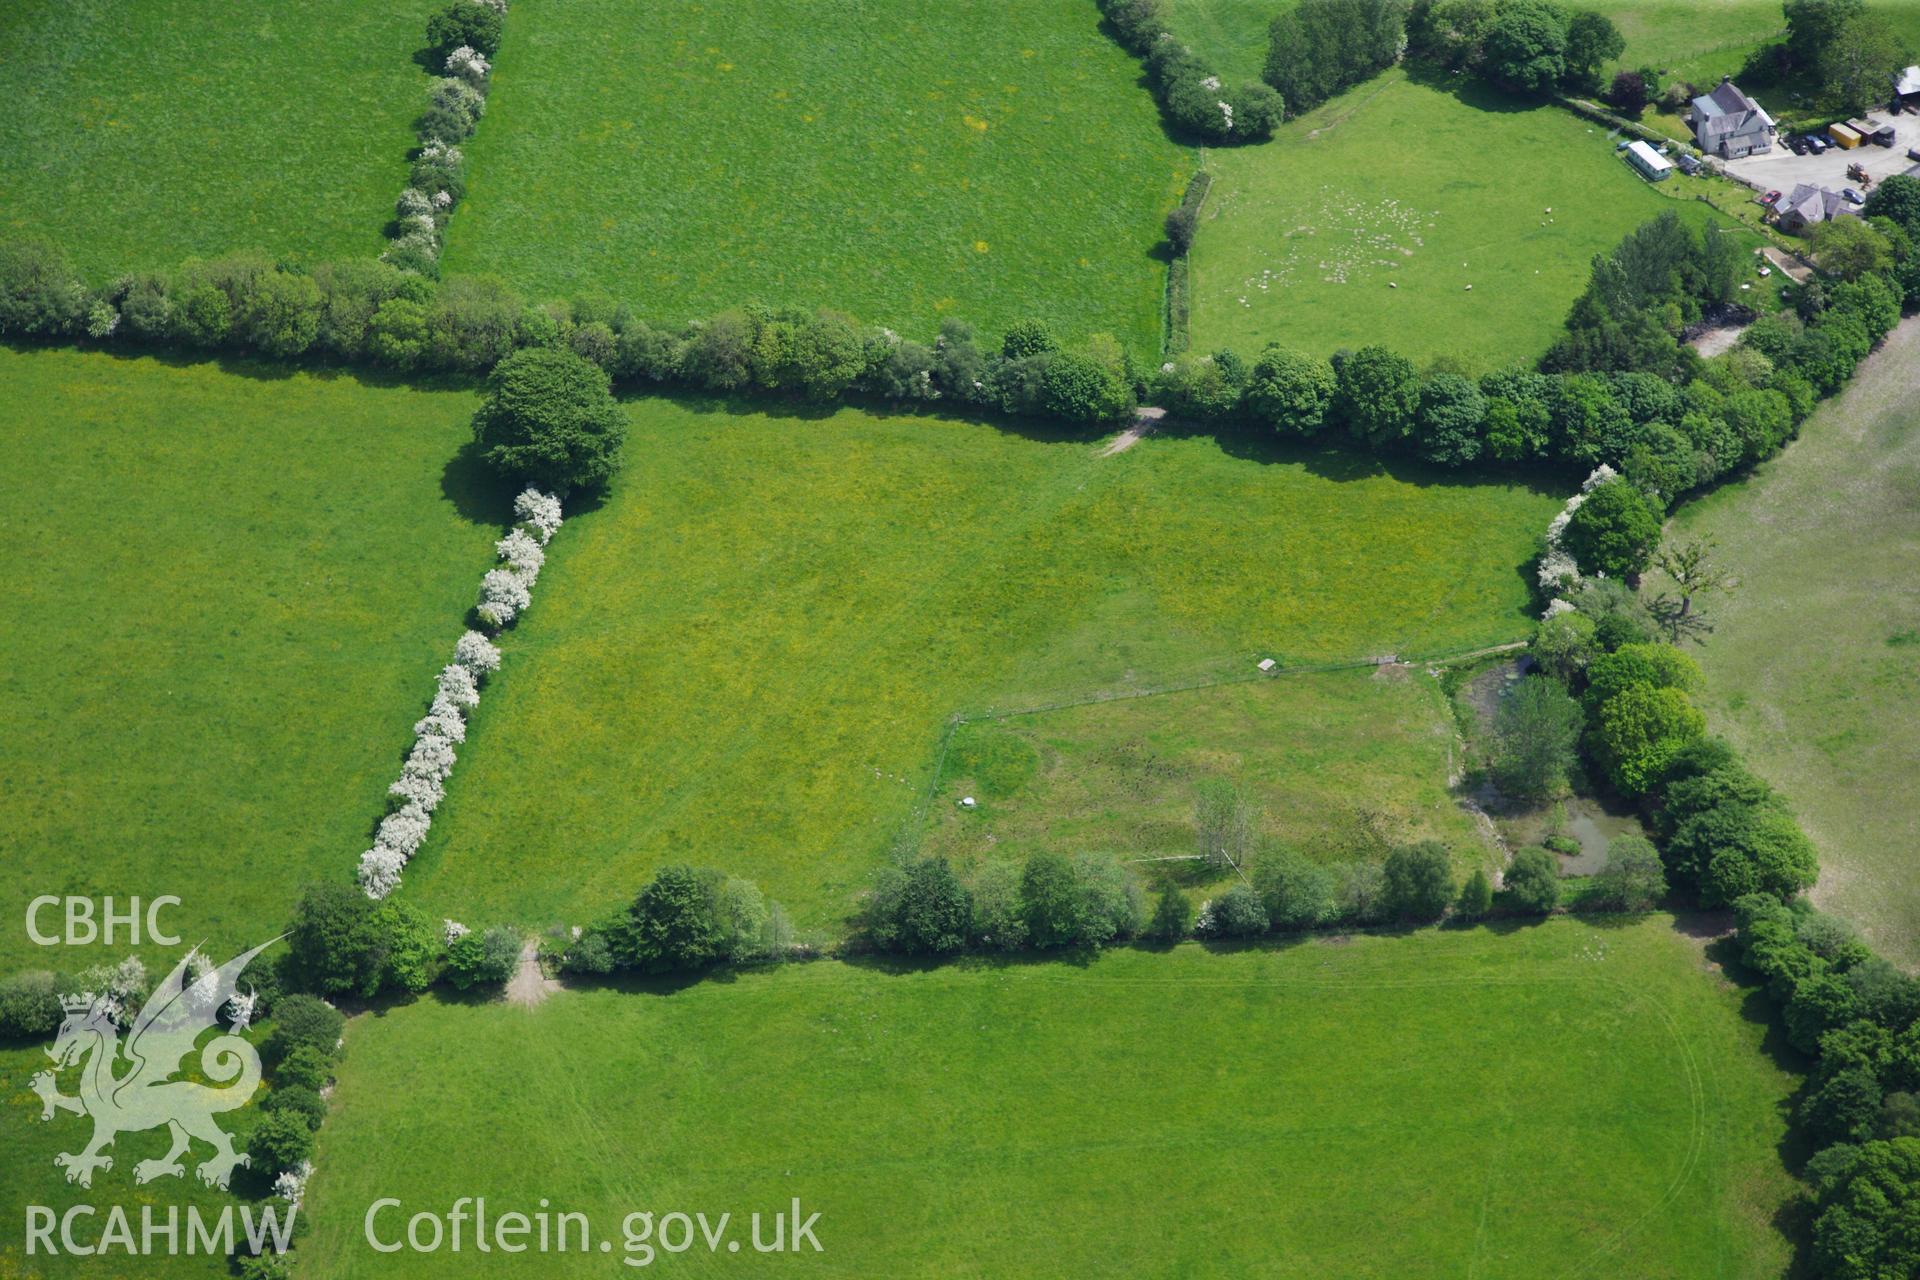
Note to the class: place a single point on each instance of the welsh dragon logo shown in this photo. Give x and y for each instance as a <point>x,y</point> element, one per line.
<point>145,1094</point>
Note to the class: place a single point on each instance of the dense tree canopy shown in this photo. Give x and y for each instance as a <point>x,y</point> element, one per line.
<point>1526,46</point>
<point>1289,391</point>
<point>1419,881</point>
<point>1537,728</point>
<point>1377,392</point>
<point>1614,532</point>
<point>1319,47</point>
<point>550,419</point>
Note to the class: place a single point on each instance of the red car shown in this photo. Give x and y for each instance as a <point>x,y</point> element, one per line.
<point>1770,197</point>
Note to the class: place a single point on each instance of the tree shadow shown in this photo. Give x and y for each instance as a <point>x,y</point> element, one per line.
<point>479,493</point>
<point>1038,430</point>
<point>256,368</point>
<point>1470,90</point>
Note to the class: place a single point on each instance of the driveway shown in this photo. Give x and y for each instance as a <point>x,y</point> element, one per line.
<point>1780,169</point>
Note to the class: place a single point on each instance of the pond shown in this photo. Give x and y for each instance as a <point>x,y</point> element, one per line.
<point>1583,818</point>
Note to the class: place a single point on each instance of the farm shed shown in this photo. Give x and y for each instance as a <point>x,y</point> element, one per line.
<point>1874,131</point>
<point>1906,85</point>
<point>1653,166</point>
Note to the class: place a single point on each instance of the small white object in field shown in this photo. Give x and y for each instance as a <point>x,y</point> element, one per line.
<point>1266,664</point>
<point>1746,286</point>
<point>966,802</point>
<point>1469,288</point>
<point>1393,284</point>
<point>1766,271</point>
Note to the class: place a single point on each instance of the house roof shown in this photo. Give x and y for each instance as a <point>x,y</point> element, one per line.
<point>1727,110</point>
<point>1813,204</point>
<point>1907,81</point>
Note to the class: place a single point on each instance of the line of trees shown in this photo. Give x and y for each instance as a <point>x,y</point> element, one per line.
<point>685,920</point>
<point>1858,1018</point>
<point>1619,387</point>
<point>374,313</point>
<point>1726,839</point>
<point>1533,47</point>
<point>1195,99</point>
<point>460,40</point>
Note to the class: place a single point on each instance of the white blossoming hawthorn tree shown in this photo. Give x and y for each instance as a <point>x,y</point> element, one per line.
<point>458,686</point>
<point>477,654</point>
<point>431,757</point>
<point>539,511</point>
<point>503,594</point>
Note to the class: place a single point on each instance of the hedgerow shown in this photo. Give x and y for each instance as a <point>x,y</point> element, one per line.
<point>1619,389</point>
<point>1194,99</point>
<point>504,593</point>
<point>460,40</point>
<point>1727,839</point>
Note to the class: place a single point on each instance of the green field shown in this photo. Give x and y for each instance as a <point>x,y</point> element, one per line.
<point>231,593</point>
<point>1229,35</point>
<point>745,657</point>
<point>896,160</point>
<point>1367,220</point>
<point>1696,40</point>
<point>1811,668</point>
<point>1559,1100</point>
<point>28,1177</point>
<point>137,135</point>
<point>1702,40</point>
<point>1340,765</point>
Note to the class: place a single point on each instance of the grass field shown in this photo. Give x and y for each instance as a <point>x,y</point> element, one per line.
<point>1560,1100</point>
<point>1811,668</point>
<point>139,135</point>
<point>896,160</point>
<point>28,1177</point>
<point>745,658</point>
<point>1339,233</point>
<point>230,592</point>
<point>1341,765</point>
<point>1230,35</point>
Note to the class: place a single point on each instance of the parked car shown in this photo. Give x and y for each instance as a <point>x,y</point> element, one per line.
<point>1815,143</point>
<point>1798,146</point>
<point>1913,153</point>
<point>1852,197</point>
<point>1769,198</point>
<point>1687,164</point>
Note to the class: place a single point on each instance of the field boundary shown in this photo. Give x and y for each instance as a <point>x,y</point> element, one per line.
<point>1176,320</point>
<point>916,820</point>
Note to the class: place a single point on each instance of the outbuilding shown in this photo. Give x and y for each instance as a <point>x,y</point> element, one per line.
<point>1653,166</point>
<point>1906,85</point>
<point>1845,136</point>
<point>1874,131</point>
